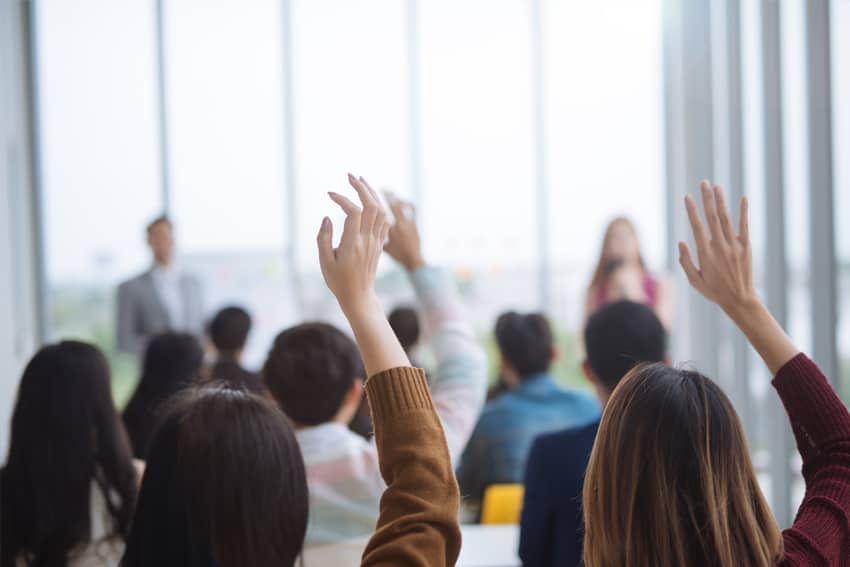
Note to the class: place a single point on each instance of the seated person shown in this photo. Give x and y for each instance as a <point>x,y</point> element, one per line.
<point>405,324</point>
<point>172,362</point>
<point>535,404</point>
<point>228,332</point>
<point>225,484</point>
<point>618,336</point>
<point>314,373</point>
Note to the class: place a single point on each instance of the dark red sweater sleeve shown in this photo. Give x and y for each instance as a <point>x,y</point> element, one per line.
<point>821,531</point>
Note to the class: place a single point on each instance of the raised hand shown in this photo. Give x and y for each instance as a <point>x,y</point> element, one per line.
<point>725,273</point>
<point>349,270</point>
<point>404,245</point>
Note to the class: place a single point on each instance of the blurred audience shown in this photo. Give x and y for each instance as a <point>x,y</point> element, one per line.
<point>533,405</point>
<point>617,337</point>
<point>405,324</point>
<point>164,298</point>
<point>228,332</point>
<point>68,488</point>
<point>315,374</point>
<point>621,274</point>
<point>172,362</point>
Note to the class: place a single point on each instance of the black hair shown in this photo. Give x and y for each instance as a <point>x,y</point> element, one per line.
<point>172,361</point>
<point>66,440</point>
<point>229,329</point>
<point>309,370</point>
<point>224,485</point>
<point>525,342</point>
<point>405,324</point>
<point>619,336</point>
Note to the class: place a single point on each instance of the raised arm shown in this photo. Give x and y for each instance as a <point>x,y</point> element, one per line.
<point>418,522</point>
<point>459,380</point>
<point>821,531</point>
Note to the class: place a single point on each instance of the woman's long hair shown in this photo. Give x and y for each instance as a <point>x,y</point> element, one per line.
<point>224,485</point>
<point>172,362</point>
<point>601,272</point>
<point>670,481</point>
<point>66,436</point>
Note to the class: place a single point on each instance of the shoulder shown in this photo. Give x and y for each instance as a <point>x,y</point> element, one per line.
<point>135,281</point>
<point>579,398</point>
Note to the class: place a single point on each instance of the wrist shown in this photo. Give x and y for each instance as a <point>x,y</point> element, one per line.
<point>359,308</point>
<point>744,308</point>
<point>414,263</point>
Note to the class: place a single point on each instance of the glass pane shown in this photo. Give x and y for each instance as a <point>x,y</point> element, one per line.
<point>479,196</point>
<point>225,101</point>
<point>841,131</point>
<point>100,158</point>
<point>604,145</point>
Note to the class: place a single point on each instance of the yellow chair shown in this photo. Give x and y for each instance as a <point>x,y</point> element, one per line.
<point>502,504</point>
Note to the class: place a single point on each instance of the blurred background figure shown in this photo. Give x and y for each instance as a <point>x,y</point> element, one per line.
<point>228,332</point>
<point>68,488</point>
<point>172,361</point>
<point>621,274</point>
<point>405,324</point>
<point>163,298</point>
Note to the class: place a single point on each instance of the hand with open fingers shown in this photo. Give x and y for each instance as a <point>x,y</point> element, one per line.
<point>725,272</point>
<point>349,270</point>
<point>404,244</point>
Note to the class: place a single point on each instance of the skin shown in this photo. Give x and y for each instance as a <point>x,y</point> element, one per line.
<point>161,243</point>
<point>725,274</point>
<point>349,272</point>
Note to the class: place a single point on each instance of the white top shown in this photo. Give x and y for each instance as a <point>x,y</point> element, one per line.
<point>101,551</point>
<point>166,280</point>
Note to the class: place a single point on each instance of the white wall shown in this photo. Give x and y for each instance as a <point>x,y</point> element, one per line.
<point>18,313</point>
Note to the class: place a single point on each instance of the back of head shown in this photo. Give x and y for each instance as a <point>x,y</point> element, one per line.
<point>229,329</point>
<point>405,324</point>
<point>525,342</point>
<point>620,335</point>
<point>309,370</point>
<point>172,361</point>
<point>224,485</point>
<point>65,435</point>
<point>670,481</point>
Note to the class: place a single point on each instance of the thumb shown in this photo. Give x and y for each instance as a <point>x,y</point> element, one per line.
<point>325,243</point>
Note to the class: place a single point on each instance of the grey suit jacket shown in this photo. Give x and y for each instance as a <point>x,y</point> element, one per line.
<point>141,313</point>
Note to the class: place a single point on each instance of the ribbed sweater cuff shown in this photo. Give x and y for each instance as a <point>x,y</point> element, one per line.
<point>397,391</point>
<point>816,413</point>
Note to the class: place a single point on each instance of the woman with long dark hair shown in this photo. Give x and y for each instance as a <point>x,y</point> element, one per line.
<point>225,483</point>
<point>670,480</point>
<point>172,362</point>
<point>69,485</point>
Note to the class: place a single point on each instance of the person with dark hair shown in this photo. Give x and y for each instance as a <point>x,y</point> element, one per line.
<point>164,298</point>
<point>405,324</point>
<point>228,332</point>
<point>225,484</point>
<point>68,489</point>
<point>316,375</point>
<point>172,362</point>
<point>670,480</point>
<point>534,404</point>
<point>617,337</point>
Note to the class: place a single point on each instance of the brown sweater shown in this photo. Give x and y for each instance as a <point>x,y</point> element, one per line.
<point>418,524</point>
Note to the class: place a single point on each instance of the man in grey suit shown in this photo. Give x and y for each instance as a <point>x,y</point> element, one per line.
<point>164,298</point>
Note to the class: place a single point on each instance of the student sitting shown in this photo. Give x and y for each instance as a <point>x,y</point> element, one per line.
<point>69,485</point>
<point>314,373</point>
<point>228,333</point>
<point>618,336</point>
<point>172,362</point>
<point>535,404</point>
<point>225,484</point>
<point>670,480</point>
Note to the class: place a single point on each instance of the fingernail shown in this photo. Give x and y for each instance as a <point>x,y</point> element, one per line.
<point>325,222</point>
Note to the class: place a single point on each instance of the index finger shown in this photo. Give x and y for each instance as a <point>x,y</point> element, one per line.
<point>696,223</point>
<point>362,192</point>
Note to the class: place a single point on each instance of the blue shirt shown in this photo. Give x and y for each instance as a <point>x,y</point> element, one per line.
<point>551,532</point>
<point>497,451</point>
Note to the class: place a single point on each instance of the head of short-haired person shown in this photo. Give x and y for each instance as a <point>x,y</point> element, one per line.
<point>315,373</point>
<point>160,233</point>
<point>228,332</point>
<point>526,345</point>
<point>405,324</point>
<point>617,337</point>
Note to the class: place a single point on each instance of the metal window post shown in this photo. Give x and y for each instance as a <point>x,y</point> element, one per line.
<point>162,99</point>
